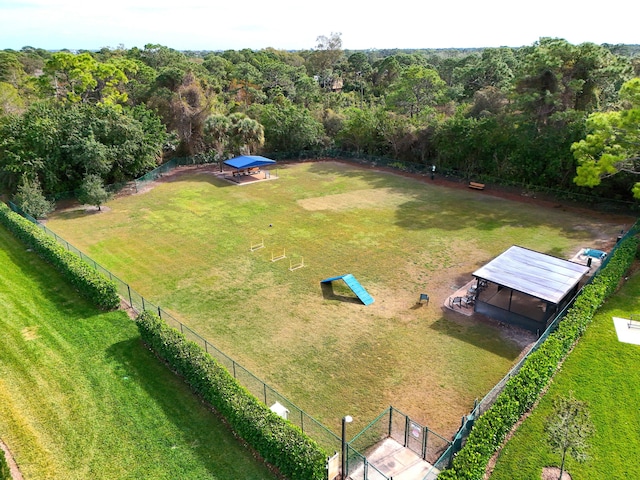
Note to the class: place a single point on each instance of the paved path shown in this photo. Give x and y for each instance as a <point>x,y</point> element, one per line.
<point>397,462</point>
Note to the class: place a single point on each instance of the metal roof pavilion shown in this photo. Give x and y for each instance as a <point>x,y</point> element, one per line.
<point>537,274</point>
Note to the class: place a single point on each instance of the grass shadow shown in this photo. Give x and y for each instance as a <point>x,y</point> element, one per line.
<point>481,332</point>
<point>328,293</point>
<point>213,177</point>
<point>216,447</point>
<point>451,208</point>
<point>418,305</point>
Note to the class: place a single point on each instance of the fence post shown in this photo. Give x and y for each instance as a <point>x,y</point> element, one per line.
<point>406,430</point>
<point>390,420</point>
<point>130,301</point>
<point>425,434</point>
<point>159,313</point>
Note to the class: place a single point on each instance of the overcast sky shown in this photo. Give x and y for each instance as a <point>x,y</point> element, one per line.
<point>295,24</point>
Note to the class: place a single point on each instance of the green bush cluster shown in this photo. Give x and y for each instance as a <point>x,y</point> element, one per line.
<point>5,472</point>
<point>524,388</point>
<point>279,442</point>
<point>91,284</point>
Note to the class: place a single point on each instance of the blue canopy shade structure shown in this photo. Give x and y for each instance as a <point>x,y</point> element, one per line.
<point>249,161</point>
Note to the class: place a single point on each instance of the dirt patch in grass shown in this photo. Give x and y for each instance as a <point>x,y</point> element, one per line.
<point>30,333</point>
<point>553,473</point>
<point>372,198</point>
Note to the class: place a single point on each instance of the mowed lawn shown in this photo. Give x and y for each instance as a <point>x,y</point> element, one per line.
<point>605,374</point>
<point>184,244</point>
<point>82,398</point>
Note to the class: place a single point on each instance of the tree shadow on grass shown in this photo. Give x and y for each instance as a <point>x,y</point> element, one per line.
<point>196,425</point>
<point>450,208</point>
<point>482,332</point>
<point>212,177</point>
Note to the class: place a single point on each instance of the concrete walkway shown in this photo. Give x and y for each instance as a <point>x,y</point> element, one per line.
<point>397,462</point>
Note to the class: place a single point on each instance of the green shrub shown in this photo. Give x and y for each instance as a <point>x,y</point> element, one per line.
<point>5,472</point>
<point>91,284</point>
<point>279,442</point>
<point>522,390</point>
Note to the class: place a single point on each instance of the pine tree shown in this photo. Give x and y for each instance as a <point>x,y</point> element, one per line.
<point>92,191</point>
<point>31,199</point>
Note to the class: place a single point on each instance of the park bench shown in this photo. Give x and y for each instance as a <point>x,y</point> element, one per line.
<point>634,321</point>
<point>476,185</point>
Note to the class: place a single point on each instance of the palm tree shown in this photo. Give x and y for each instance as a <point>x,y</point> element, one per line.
<point>247,134</point>
<point>217,135</point>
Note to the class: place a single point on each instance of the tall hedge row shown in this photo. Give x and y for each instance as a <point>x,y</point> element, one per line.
<point>524,388</point>
<point>279,442</point>
<point>5,471</point>
<point>91,284</point>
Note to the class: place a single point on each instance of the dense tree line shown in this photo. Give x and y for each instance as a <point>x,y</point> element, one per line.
<point>541,114</point>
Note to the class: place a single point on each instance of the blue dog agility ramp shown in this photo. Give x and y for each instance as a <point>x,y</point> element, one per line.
<point>354,285</point>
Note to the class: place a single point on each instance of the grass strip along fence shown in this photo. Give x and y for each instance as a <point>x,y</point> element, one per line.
<point>93,286</point>
<point>279,442</point>
<point>524,388</point>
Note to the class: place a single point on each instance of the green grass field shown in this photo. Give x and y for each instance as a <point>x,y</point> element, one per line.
<point>80,397</point>
<point>604,373</point>
<point>184,245</point>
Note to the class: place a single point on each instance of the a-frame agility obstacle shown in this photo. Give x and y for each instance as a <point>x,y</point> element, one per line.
<point>354,285</point>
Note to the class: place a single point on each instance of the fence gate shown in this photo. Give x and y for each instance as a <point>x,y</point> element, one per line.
<point>415,438</point>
